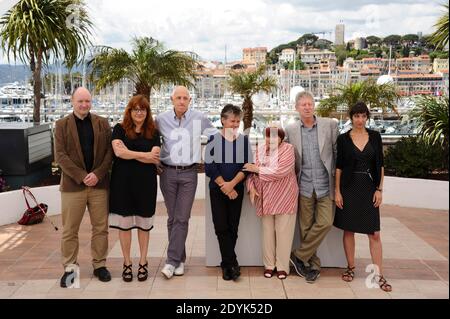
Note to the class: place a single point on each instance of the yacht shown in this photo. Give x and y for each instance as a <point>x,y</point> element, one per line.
<point>15,95</point>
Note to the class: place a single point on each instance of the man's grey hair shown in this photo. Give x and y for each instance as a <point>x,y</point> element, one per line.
<point>302,95</point>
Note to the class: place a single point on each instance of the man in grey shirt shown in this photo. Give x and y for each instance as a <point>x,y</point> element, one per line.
<point>314,139</point>
<point>181,129</point>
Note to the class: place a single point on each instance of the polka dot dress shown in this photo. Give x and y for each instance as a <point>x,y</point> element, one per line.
<point>358,214</point>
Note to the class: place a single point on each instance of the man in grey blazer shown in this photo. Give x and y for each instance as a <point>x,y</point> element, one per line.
<point>314,139</point>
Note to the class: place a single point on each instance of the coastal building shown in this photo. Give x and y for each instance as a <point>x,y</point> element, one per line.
<point>254,55</point>
<point>420,64</point>
<point>419,84</point>
<point>287,55</point>
<point>440,64</point>
<point>313,57</point>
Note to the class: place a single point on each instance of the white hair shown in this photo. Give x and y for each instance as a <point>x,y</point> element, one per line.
<point>302,95</point>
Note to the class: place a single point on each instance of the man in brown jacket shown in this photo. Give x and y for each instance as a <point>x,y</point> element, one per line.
<point>83,151</point>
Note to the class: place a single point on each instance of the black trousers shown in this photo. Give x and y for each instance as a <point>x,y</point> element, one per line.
<point>226,214</point>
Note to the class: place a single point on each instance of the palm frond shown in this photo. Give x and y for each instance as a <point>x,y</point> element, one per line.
<point>109,66</point>
<point>148,66</point>
<point>432,114</point>
<point>247,84</point>
<point>38,31</point>
<point>31,26</point>
<point>382,96</point>
<point>440,36</point>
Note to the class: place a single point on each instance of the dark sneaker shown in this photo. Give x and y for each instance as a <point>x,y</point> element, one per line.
<point>67,279</point>
<point>312,276</point>
<point>226,274</point>
<point>103,274</point>
<point>235,272</point>
<point>299,266</point>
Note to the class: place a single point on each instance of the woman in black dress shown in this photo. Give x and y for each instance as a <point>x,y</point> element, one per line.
<point>133,189</point>
<point>358,193</point>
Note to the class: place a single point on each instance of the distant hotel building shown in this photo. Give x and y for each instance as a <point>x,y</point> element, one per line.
<point>255,56</point>
<point>287,55</point>
<point>370,63</point>
<point>315,56</point>
<point>339,34</point>
<point>440,64</point>
<point>211,82</point>
<point>420,64</point>
<point>419,84</point>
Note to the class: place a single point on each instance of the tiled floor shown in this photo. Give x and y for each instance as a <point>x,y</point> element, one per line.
<point>415,245</point>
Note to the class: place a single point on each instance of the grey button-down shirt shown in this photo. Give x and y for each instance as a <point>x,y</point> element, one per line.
<point>314,175</point>
<point>182,137</point>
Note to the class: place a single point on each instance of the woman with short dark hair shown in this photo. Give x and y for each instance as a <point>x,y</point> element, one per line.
<point>226,153</point>
<point>358,190</point>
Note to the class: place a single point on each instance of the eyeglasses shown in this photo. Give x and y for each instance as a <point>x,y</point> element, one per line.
<point>139,110</point>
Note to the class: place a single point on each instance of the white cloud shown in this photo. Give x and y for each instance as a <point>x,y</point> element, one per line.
<point>206,26</point>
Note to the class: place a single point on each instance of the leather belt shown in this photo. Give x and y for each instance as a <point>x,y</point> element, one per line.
<point>179,167</point>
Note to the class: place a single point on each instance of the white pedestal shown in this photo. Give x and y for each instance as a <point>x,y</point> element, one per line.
<point>248,246</point>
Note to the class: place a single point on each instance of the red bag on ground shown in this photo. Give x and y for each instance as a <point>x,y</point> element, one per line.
<point>33,215</point>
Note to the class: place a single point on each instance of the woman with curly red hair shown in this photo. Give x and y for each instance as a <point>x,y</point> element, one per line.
<point>132,203</point>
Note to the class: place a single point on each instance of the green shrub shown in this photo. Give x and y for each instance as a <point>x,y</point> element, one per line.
<point>412,157</point>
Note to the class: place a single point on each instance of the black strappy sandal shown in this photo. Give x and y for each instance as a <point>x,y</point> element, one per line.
<point>382,282</point>
<point>127,273</point>
<point>143,272</point>
<point>349,274</point>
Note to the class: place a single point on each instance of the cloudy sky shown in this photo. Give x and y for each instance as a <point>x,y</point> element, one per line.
<point>207,27</point>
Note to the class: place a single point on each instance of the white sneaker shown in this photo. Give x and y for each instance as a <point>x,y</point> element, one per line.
<point>179,271</point>
<point>168,270</point>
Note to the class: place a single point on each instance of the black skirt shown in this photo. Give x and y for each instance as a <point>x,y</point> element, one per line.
<point>358,214</point>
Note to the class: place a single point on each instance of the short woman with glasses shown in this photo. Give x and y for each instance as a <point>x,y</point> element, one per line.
<point>133,188</point>
<point>273,189</point>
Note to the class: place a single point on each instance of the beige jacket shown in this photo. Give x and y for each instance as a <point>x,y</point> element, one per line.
<point>327,133</point>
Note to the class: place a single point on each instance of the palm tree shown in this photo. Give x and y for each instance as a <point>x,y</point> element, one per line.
<point>247,84</point>
<point>432,115</point>
<point>440,36</point>
<point>375,95</point>
<point>36,31</point>
<point>148,66</point>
